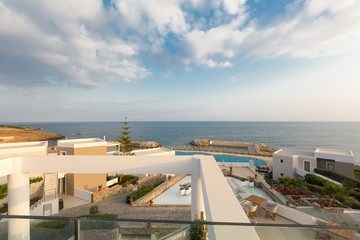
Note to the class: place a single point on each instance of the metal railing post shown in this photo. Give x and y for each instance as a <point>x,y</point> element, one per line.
<point>77,229</point>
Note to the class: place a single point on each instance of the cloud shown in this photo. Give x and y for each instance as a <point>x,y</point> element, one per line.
<point>41,40</point>
<point>307,29</point>
<point>87,44</point>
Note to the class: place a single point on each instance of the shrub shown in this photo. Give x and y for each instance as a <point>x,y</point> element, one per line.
<point>35,180</point>
<point>196,230</point>
<point>316,180</point>
<point>139,193</point>
<point>94,210</point>
<point>53,224</point>
<point>338,176</point>
<point>131,179</point>
<point>3,190</point>
<point>351,202</point>
<point>316,188</point>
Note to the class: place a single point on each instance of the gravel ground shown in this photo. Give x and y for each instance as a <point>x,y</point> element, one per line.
<point>116,205</point>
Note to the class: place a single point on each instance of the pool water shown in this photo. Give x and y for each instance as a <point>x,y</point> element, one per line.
<point>226,158</point>
<point>248,191</point>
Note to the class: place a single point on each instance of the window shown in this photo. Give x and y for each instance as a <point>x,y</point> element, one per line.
<point>307,166</point>
<point>330,166</point>
<point>281,160</point>
<point>62,152</point>
<point>281,174</point>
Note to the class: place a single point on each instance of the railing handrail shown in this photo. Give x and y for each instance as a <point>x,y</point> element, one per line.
<point>181,222</point>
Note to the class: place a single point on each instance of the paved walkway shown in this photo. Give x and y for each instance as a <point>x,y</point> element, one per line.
<point>116,205</point>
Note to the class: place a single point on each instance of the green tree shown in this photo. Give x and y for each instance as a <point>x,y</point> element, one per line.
<point>125,140</point>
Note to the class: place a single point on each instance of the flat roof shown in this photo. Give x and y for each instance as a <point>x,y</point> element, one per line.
<point>334,152</point>
<point>152,151</point>
<point>294,152</point>
<point>22,147</point>
<point>81,142</point>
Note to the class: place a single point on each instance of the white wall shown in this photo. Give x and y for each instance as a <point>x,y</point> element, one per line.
<point>39,209</point>
<point>83,194</point>
<point>112,181</point>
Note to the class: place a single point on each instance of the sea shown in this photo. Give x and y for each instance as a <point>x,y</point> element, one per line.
<point>306,136</point>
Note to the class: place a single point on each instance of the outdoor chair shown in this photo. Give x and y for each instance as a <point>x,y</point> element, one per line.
<point>252,209</point>
<point>320,233</point>
<point>271,209</point>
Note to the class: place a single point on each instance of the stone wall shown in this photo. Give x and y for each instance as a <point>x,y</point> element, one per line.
<point>107,192</point>
<point>158,190</point>
<point>151,180</point>
<point>36,189</point>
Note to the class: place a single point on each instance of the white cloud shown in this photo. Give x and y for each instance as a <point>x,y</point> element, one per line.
<point>67,39</point>
<point>317,28</point>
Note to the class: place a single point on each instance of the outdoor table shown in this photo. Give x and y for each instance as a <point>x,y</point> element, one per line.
<point>256,199</point>
<point>345,233</point>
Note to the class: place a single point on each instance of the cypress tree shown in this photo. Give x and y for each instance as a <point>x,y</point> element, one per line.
<point>125,140</point>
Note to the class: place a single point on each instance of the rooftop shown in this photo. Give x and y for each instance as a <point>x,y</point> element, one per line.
<point>294,152</point>
<point>83,142</point>
<point>13,148</point>
<point>334,152</point>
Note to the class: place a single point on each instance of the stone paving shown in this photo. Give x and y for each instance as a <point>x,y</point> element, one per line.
<point>116,205</point>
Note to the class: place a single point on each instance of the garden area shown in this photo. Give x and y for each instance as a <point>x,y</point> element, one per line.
<point>317,191</point>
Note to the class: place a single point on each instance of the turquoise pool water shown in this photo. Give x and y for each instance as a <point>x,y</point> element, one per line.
<point>226,158</point>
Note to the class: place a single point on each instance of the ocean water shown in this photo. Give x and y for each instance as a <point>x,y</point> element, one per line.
<point>292,135</point>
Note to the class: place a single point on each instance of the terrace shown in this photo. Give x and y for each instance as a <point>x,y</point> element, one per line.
<point>211,197</point>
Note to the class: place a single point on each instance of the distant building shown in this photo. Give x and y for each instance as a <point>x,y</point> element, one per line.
<point>290,163</point>
<point>69,183</point>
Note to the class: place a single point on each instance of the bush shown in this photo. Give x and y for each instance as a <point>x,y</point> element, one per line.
<point>3,191</point>
<point>4,209</point>
<point>337,176</point>
<point>142,192</point>
<point>94,210</point>
<point>316,188</point>
<point>35,180</point>
<point>139,193</point>
<point>53,224</point>
<point>351,202</point>
<point>315,180</point>
<point>131,179</point>
<point>196,230</point>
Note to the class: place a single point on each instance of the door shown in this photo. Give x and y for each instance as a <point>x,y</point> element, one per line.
<point>307,166</point>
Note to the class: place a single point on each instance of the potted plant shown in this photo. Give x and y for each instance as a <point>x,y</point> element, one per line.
<point>271,187</point>
<point>287,203</point>
<point>169,178</point>
<point>151,203</point>
<point>131,200</point>
<point>126,184</point>
<point>99,187</point>
<point>182,189</point>
<point>230,169</point>
<point>256,176</point>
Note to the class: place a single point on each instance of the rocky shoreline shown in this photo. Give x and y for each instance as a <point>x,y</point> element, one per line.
<point>14,134</point>
<point>251,147</point>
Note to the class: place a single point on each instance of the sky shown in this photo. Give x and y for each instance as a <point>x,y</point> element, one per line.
<point>179,60</point>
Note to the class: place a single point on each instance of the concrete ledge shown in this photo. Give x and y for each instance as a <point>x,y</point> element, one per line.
<point>158,190</point>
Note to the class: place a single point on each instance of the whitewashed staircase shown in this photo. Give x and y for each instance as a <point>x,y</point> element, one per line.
<point>50,186</point>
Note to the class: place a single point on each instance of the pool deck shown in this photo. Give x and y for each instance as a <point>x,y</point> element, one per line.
<point>268,160</point>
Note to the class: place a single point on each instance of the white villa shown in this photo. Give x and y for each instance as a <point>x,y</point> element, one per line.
<point>211,197</point>
<point>290,163</point>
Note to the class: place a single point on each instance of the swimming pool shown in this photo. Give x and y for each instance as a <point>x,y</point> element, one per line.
<point>226,158</point>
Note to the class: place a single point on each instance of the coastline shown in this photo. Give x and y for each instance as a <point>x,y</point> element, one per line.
<point>22,134</point>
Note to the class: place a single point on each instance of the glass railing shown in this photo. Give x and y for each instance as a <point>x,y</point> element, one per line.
<point>53,228</point>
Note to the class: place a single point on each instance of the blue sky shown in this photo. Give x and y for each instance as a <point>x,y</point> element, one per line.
<point>179,60</point>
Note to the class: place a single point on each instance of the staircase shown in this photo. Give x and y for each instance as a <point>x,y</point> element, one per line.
<point>50,186</point>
